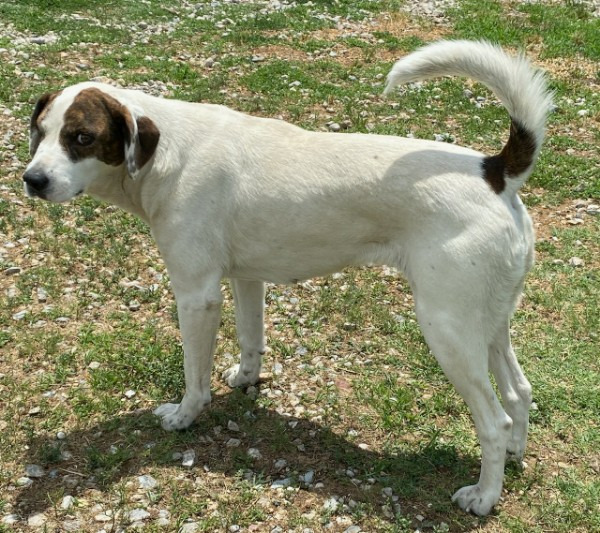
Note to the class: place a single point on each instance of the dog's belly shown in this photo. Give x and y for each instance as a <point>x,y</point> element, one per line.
<point>290,257</point>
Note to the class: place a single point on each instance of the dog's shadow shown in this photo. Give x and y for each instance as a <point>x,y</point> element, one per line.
<point>104,456</point>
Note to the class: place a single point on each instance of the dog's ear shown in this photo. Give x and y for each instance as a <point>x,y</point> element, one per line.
<point>35,135</point>
<point>141,144</point>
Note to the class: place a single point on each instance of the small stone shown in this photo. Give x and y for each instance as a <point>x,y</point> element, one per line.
<point>67,502</point>
<point>134,305</point>
<point>137,515</point>
<point>576,262</point>
<point>94,365</point>
<point>232,426</point>
<point>257,58</point>
<point>10,519</point>
<point>280,464</point>
<point>42,295</point>
<point>35,471</point>
<point>583,112</point>
<point>61,435</point>
<point>233,443</point>
<point>147,482</point>
<point>331,505</point>
<point>334,126</point>
<point>387,491</point>
<point>277,369</point>
<point>308,477</point>
<point>11,271</point>
<point>129,394</point>
<point>189,527</point>
<point>20,315</point>
<point>254,453</point>
<point>72,525</point>
<point>34,411</point>
<point>36,520</point>
<point>353,529</point>
<point>189,457</point>
<point>102,517</point>
<point>282,483</point>
<point>593,209</point>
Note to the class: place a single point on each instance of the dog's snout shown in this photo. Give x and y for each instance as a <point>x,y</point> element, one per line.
<point>36,181</point>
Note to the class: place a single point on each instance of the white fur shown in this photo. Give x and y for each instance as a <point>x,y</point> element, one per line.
<point>255,200</point>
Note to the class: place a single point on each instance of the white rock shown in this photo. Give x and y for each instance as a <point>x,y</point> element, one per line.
<point>576,262</point>
<point>353,529</point>
<point>67,502</point>
<point>61,435</point>
<point>282,483</point>
<point>280,464</point>
<point>36,520</point>
<point>232,426</point>
<point>24,482</point>
<point>189,527</point>
<point>137,515</point>
<point>233,443</point>
<point>189,457</point>
<point>94,365</point>
<point>254,453</point>
<point>334,126</point>
<point>102,517</point>
<point>20,315</point>
<point>147,482</point>
<point>129,394</point>
<point>308,477</point>
<point>10,519</point>
<point>331,504</point>
<point>34,471</point>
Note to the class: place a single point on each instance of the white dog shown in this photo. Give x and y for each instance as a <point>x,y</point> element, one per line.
<point>255,200</point>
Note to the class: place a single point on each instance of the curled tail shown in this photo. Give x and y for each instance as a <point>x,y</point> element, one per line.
<point>522,90</point>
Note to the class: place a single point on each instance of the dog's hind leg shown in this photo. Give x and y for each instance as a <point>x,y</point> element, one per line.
<point>455,333</point>
<point>515,390</point>
<point>249,299</point>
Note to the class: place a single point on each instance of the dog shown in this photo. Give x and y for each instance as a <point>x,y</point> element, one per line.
<point>257,200</point>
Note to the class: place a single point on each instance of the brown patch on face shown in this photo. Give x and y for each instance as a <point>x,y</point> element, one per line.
<point>514,159</point>
<point>96,125</point>
<point>42,107</point>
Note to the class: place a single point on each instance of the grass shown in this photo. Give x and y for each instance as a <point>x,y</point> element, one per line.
<point>360,401</point>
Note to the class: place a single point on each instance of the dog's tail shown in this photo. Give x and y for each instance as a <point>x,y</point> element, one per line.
<point>521,89</point>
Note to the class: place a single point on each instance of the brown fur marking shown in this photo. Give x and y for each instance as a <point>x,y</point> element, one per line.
<point>42,107</point>
<point>101,116</point>
<point>514,159</point>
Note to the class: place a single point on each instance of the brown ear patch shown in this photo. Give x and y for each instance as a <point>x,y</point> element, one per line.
<point>42,107</point>
<point>514,159</point>
<point>100,118</point>
<point>148,136</point>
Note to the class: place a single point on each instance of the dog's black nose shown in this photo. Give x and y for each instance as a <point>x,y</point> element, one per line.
<point>36,181</point>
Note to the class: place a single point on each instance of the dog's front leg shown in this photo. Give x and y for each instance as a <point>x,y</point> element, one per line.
<point>249,298</point>
<point>199,310</point>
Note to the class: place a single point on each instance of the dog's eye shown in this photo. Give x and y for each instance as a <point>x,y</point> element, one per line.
<point>84,139</point>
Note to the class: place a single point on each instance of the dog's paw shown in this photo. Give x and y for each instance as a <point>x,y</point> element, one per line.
<point>175,416</point>
<point>473,500</point>
<point>235,377</point>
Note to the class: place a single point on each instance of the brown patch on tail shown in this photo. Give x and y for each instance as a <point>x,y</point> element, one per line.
<point>514,159</point>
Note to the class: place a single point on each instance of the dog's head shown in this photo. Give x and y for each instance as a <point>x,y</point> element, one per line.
<point>83,134</point>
